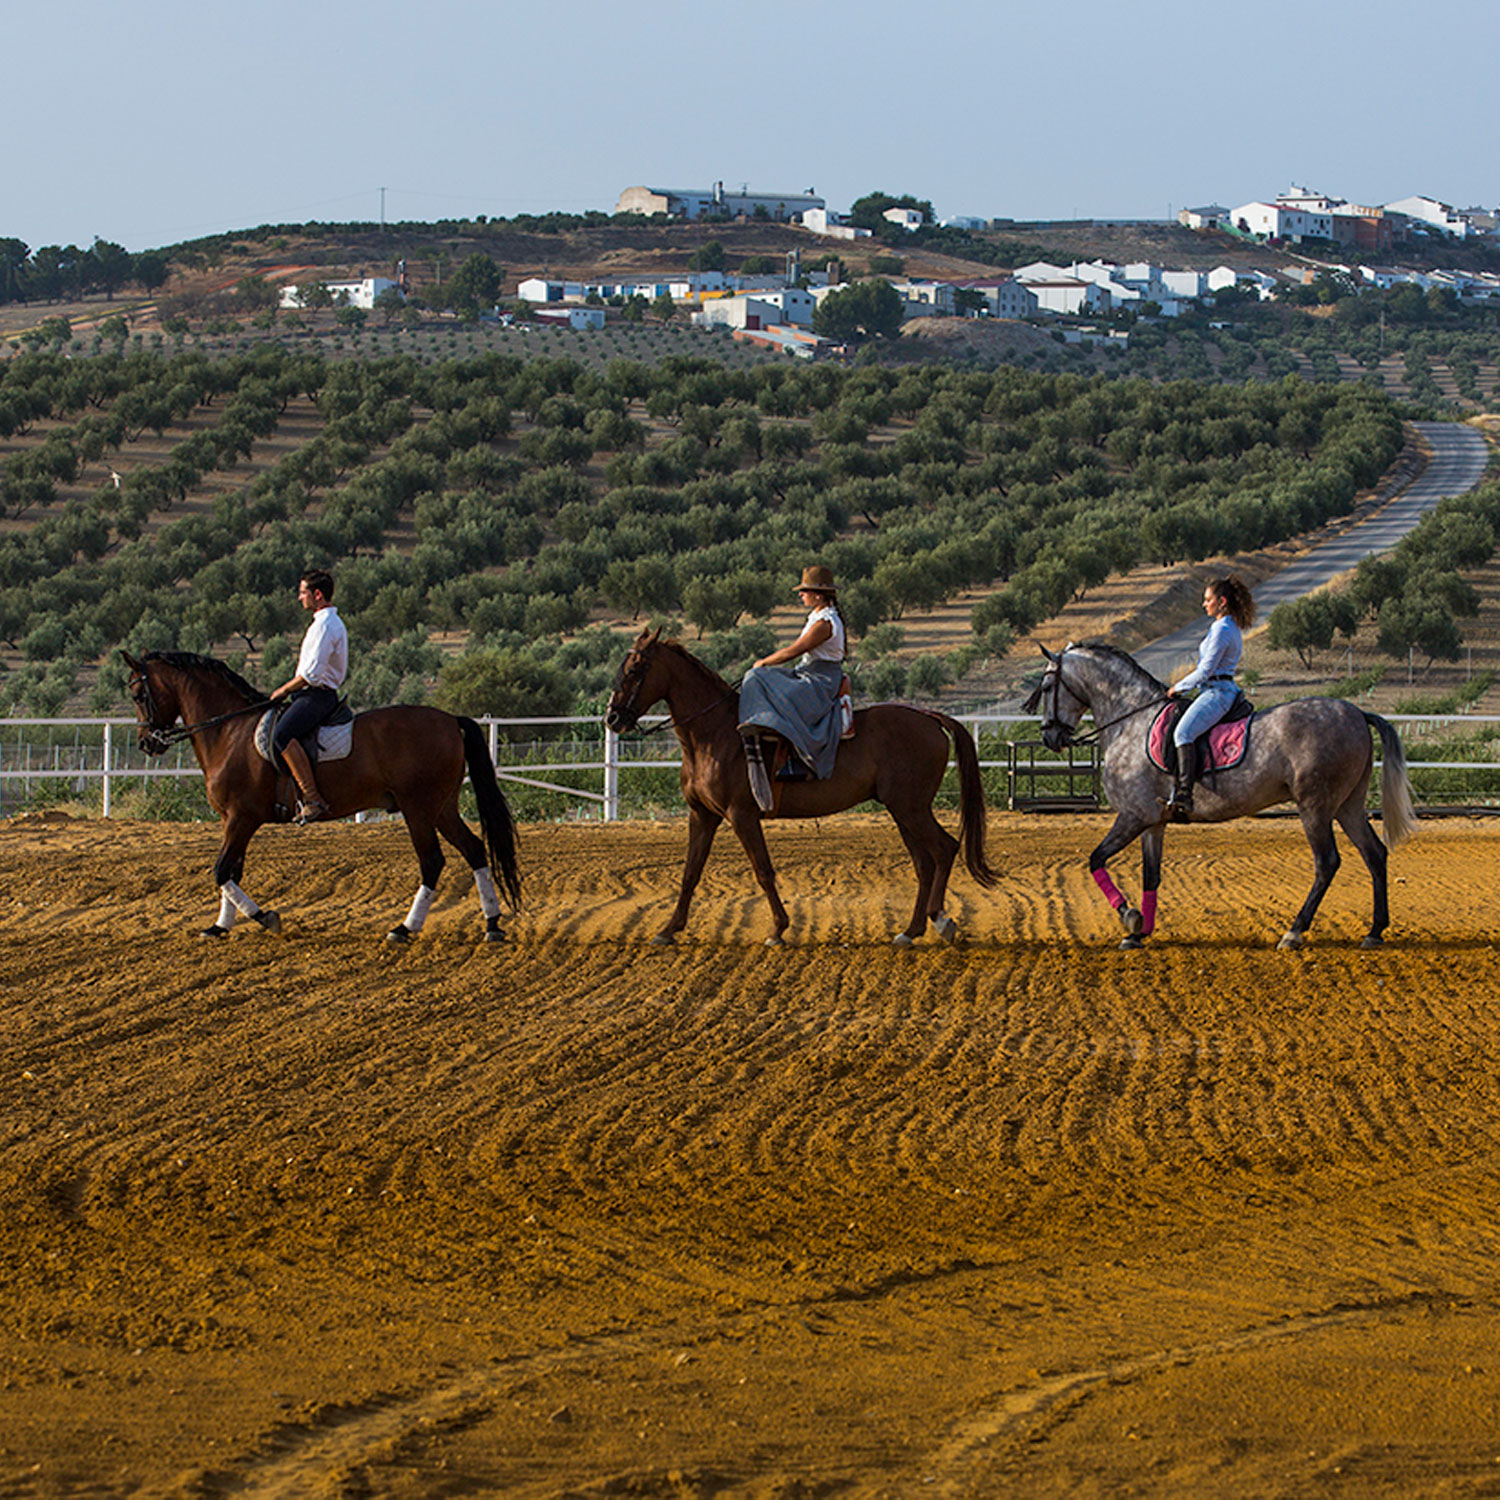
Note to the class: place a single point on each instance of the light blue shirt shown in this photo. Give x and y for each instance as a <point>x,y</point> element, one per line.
<point>1218,656</point>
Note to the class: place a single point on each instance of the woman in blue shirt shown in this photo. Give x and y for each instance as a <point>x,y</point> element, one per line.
<point>1227,603</point>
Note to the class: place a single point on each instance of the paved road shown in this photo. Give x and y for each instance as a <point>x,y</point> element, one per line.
<point>1459,458</point>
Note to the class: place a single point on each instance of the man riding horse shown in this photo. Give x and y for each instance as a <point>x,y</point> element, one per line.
<point>322,666</point>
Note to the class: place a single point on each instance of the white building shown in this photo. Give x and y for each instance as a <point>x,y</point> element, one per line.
<point>1274,221</point>
<point>1005,297</point>
<point>964,221</point>
<point>683,286</point>
<point>1309,202</point>
<point>1435,215</point>
<point>908,219</point>
<point>578,318</point>
<point>1210,216</point>
<point>345,293</point>
<point>1070,296</point>
<point>1227,276</point>
<point>1188,285</point>
<point>790,305</point>
<point>1040,270</point>
<point>822,221</point>
<point>925,299</point>
<point>716,203</point>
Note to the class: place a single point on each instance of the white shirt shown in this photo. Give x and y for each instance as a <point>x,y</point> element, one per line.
<point>324,659</point>
<point>833,648</point>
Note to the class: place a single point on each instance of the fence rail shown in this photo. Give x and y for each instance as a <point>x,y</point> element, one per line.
<point>104,752</point>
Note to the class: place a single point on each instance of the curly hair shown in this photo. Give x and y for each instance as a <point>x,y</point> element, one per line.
<point>1235,592</point>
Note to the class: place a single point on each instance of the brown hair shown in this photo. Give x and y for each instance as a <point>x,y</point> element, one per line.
<point>317,578</point>
<point>1235,592</point>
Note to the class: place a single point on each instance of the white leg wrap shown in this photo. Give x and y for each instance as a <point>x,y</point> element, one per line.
<point>227,912</point>
<point>421,904</point>
<point>484,883</point>
<point>234,895</point>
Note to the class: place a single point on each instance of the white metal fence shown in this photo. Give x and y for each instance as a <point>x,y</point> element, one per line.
<point>104,751</point>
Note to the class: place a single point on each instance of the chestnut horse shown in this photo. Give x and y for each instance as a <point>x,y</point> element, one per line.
<point>898,756</point>
<point>409,760</point>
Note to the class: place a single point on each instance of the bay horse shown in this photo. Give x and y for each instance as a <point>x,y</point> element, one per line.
<point>1312,751</point>
<point>409,760</point>
<point>898,756</point>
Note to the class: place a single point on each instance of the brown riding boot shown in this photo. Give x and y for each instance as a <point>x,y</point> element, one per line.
<point>1180,808</point>
<point>314,809</point>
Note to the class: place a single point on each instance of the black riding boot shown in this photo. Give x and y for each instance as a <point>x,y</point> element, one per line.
<point>1181,806</point>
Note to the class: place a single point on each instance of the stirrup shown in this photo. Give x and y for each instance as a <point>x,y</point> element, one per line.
<point>1180,808</point>
<point>314,810</point>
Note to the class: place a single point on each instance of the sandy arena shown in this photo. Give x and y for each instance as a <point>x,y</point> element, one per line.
<point>315,1216</point>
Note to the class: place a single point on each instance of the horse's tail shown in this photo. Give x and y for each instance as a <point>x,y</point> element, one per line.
<point>1397,813</point>
<point>971,804</point>
<point>494,811</point>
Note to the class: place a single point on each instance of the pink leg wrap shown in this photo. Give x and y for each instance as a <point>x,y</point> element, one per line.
<point>1110,889</point>
<point>1148,912</point>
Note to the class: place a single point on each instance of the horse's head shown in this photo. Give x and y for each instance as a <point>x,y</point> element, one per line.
<point>638,684</point>
<point>155,700</point>
<point>1058,699</point>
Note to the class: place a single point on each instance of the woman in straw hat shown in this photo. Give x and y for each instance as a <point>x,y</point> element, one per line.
<point>801,702</point>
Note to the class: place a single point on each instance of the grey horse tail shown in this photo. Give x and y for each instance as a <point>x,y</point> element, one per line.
<point>1397,813</point>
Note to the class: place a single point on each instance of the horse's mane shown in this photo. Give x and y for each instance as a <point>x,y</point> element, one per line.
<point>1108,648</point>
<point>678,649</point>
<point>189,661</point>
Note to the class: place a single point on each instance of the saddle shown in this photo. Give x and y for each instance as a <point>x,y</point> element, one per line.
<point>333,739</point>
<point>1223,747</point>
<point>774,762</point>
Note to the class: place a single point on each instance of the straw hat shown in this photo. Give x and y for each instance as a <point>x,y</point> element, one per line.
<point>819,579</point>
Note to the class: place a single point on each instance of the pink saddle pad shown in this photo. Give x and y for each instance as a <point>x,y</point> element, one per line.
<point>1227,743</point>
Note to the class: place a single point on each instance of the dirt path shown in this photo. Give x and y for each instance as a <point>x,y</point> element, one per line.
<point>311,1216</point>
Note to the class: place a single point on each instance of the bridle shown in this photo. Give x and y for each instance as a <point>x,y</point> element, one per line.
<point>627,713</point>
<point>157,740</point>
<point>1054,719</point>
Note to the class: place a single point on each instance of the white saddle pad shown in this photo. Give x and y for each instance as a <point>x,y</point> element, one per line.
<point>334,740</point>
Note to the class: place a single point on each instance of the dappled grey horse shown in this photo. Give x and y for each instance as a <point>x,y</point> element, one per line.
<point>1313,751</point>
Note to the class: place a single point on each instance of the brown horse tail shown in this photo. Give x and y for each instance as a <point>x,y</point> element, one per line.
<point>971,805</point>
<point>1397,813</point>
<point>494,811</point>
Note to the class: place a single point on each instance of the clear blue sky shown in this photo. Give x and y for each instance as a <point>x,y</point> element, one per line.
<point>163,120</point>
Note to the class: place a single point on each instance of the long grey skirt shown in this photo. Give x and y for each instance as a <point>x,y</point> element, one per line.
<point>799,703</point>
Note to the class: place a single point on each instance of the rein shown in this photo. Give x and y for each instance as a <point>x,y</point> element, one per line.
<point>1098,729</point>
<point>174,734</point>
<point>669,722</point>
<point>1092,737</point>
<point>186,731</point>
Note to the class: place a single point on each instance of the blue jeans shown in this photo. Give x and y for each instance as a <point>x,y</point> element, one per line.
<point>1214,700</point>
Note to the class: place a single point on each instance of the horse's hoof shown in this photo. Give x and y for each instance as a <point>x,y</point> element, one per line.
<point>663,939</point>
<point>401,934</point>
<point>945,927</point>
<point>1374,940</point>
<point>493,935</point>
<point>213,931</point>
<point>774,941</point>
<point>268,919</point>
<point>1131,943</point>
<point>1291,943</point>
<point>1130,920</point>
<point>902,940</point>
